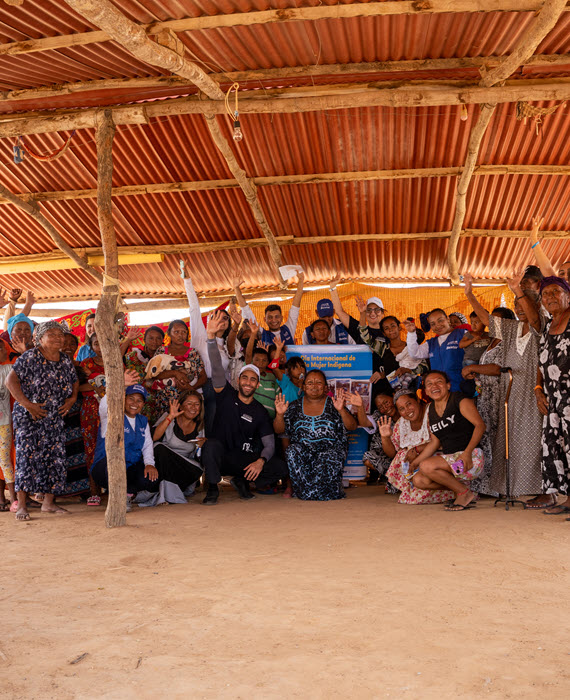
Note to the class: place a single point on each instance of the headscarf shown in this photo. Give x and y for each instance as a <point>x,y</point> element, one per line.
<point>19,318</point>
<point>43,328</point>
<point>547,281</point>
<point>460,316</point>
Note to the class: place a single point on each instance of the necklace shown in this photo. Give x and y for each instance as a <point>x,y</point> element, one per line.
<point>558,325</point>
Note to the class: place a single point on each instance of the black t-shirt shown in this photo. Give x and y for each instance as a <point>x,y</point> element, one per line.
<point>452,429</point>
<point>238,425</point>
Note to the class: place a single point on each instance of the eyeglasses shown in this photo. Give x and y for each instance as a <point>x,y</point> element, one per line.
<point>373,312</point>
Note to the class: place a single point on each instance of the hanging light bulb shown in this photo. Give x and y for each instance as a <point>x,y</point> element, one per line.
<point>464,114</point>
<point>238,133</point>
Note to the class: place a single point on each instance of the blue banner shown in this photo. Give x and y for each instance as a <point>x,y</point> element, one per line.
<point>348,367</point>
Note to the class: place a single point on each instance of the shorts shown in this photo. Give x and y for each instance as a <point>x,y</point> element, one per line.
<point>476,469</point>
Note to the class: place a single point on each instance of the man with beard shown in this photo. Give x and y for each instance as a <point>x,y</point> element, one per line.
<point>243,443</point>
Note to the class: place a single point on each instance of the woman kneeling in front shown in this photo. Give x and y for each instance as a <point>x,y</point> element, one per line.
<point>139,456</point>
<point>456,429</point>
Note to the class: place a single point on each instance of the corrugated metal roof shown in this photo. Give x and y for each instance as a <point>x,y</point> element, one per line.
<point>180,148</point>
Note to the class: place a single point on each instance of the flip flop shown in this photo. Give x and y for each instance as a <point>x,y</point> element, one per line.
<point>457,507</point>
<point>4,507</point>
<point>560,510</point>
<point>541,506</point>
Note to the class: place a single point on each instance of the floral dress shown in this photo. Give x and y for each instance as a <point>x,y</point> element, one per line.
<point>554,363</point>
<point>404,439</point>
<point>137,360</point>
<point>40,444</point>
<point>95,375</point>
<point>317,452</point>
<point>165,393</point>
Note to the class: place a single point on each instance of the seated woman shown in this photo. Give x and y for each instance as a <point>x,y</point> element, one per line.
<point>456,428</point>
<point>316,426</point>
<point>376,459</point>
<point>142,475</point>
<point>406,440</point>
<point>178,435</point>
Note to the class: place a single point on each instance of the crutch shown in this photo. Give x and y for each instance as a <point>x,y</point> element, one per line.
<point>507,498</point>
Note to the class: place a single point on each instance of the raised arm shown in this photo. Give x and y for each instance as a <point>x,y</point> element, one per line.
<point>417,352</point>
<point>530,309</point>
<point>541,258</point>
<point>237,281</point>
<point>299,292</point>
<point>30,301</point>
<point>249,348</point>
<point>197,331</point>
<point>481,312</point>
<point>340,312</point>
<point>216,322</point>
<point>355,401</point>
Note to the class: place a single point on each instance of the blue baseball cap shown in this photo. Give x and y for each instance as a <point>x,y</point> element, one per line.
<point>136,389</point>
<point>325,308</point>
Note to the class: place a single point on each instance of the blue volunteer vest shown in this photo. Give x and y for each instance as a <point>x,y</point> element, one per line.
<point>134,441</point>
<point>448,357</point>
<point>269,337</point>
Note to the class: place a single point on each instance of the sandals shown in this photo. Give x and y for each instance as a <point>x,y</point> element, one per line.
<point>94,501</point>
<point>541,506</point>
<point>558,510</point>
<point>457,507</point>
<point>5,506</point>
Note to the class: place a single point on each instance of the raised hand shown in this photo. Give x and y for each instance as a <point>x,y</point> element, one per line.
<point>355,400</point>
<point>467,283</point>
<point>339,400</point>
<point>30,298</point>
<point>3,298</point>
<point>537,222</point>
<point>281,405</point>
<point>254,327</point>
<point>514,282</point>
<point>15,294</point>
<point>385,426</point>
<point>409,326</point>
<point>263,346</point>
<point>131,377</point>
<point>335,281</point>
<point>237,280</point>
<point>279,344</point>
<point>174,410</point>
<point>216,322</point>
<point>236,316</point>
<point>133,333</point>
<point>360,304</point>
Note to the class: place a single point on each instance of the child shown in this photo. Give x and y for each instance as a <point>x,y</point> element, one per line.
<point>6,466</point>
<point>475,341</point>
<point>259,356</point>
<point>291,377</point>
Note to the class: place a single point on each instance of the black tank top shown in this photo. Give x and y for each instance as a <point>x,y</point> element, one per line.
<point>452,429</point>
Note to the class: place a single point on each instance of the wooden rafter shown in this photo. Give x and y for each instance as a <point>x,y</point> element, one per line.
<point>133,37</point>
<point>370,9</point>
<point>306,179</point>
<point>294,100</point>
<point>270,74</point>
<point>539,27</point>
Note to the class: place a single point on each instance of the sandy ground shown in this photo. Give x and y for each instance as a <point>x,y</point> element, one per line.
<point>361,598</point>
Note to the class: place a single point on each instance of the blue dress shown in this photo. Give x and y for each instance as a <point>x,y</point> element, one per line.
<point>40,444</point>
<point>317,452</point>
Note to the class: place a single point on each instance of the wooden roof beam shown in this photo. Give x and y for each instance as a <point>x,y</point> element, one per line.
<point>134,38</point>
<point>540,26</point>
<point>294,100</point>
<point>297,72</point>
<point>290,180</point>
<point>236,19</point>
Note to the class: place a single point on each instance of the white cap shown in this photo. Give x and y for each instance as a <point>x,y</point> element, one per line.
<point>253,368</point>
<point>375,300</point>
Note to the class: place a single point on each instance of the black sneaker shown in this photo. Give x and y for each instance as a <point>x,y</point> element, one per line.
<point>242,487</point>
<point>212,494</point>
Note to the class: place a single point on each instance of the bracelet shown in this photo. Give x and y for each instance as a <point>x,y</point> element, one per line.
<point>534,245</point>
<point>168,419</point>
<point>538,387</point>
<point>332,289</point>
<point>521,297</point>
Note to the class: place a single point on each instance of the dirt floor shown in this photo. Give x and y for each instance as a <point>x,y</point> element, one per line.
<point>361,598</point>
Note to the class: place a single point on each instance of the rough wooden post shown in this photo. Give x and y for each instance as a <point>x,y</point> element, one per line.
<point>106,327</point>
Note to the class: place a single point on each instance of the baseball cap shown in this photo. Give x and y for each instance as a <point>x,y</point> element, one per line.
<point>325,308</point>
<point>253,368</point>
<point>136,389</point>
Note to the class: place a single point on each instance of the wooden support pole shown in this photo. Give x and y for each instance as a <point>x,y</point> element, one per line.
<point>133,37</point>
<point>33,210</point>
<point>306,179</point>
<point>291,14</point>
<point>541,25</point>
<point>281,74</point>
<point>107,329</point>
<point>412,94</point>
<point>249,191</point>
